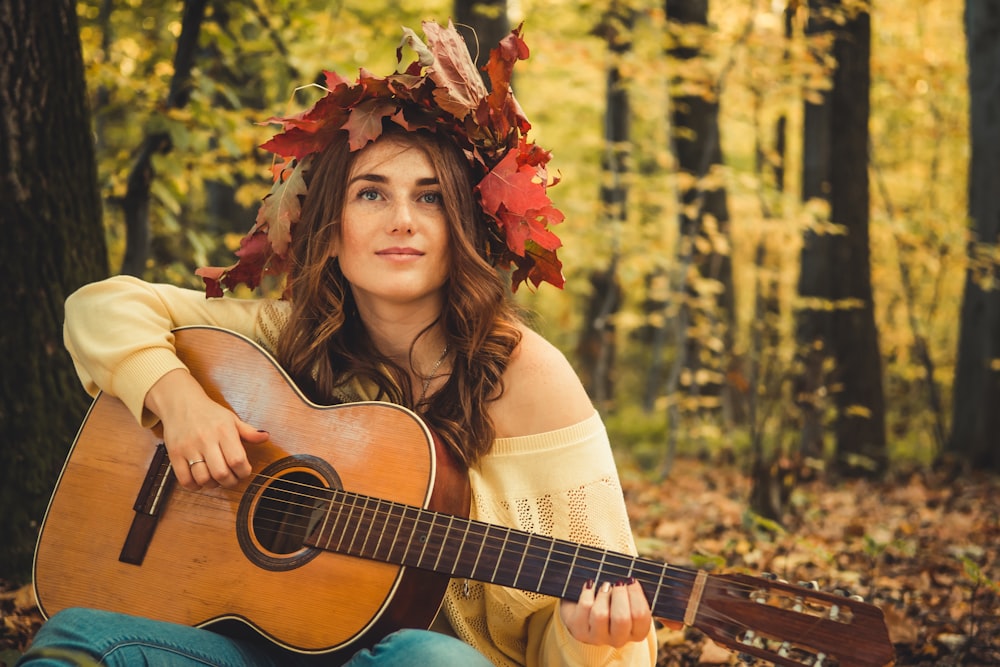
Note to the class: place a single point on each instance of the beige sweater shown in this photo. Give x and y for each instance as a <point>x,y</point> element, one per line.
<point>562,483</point>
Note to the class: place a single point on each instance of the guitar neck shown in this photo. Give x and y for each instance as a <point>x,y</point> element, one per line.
<point>385,531</point>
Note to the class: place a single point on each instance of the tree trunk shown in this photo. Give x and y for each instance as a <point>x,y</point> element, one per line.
<point>596,350</point>
<point>707,292</point>
<point>837,321</point>
<point>976,417</point>
<point>136,200</point>
<point>483,23</point>
<point>51,224</point>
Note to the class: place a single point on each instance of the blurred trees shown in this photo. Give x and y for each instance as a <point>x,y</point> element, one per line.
<point>253,63</point>
<point>976,431</point>
<point>53,242</point>
<point>836,333</point>
<point>752,72</point>
<point>704,281</point>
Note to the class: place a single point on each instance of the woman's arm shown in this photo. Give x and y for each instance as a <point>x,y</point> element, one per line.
<point>119,333</point>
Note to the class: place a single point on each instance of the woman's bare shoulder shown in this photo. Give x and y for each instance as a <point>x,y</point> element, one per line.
<point>542,391</point>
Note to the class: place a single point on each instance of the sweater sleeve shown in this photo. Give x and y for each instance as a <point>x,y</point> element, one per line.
<point>564,484</point>
<point>119,332</point>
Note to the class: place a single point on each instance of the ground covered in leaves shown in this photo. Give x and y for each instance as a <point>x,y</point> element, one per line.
<point>923,546</point>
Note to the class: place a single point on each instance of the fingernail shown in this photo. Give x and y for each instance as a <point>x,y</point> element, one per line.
<point>589,584</point>
<point>630,581</point>
<point>606,587</point>
<point>260,430</point>
<point>621,582</point>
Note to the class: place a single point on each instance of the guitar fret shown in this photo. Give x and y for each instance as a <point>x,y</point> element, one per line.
<point>426,540</point>
<point>411,526</point>
<point>524,552</point>
<point>358,522</point>
<point>558,569</point>
<point>372,527</point>
<point>482,545</point>
<point>659,587</point>
<point>503,545</point>
<point>385,525</point>
<point>350,511</point>
<point>600,570</point>
<point>444,541</point>
<point>572,566</point>
<point>545,565</point>
<point>461,546</point>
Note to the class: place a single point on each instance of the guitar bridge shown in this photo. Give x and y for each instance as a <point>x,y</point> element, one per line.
<point>155,490</point>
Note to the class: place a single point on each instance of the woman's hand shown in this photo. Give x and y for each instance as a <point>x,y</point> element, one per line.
<point>611,615</point>
<point>203,439</point>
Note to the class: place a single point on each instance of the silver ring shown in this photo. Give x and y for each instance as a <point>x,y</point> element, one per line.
<point>191,463</point>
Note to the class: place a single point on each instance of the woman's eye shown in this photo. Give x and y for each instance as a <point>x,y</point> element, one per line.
<point>368,195</point>
<point>431,198</point>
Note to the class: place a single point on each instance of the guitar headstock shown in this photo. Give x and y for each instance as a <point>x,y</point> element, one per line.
<point>793,625</point>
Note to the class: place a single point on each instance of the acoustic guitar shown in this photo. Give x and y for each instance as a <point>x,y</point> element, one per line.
<point>350,527</point>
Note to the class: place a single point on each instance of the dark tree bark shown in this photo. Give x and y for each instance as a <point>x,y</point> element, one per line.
<point>483,23</point>
<point>53,235</point>
<point>836,326</point>
<point>135,203</point>
<point>704,225</point>
<point>976,408</point>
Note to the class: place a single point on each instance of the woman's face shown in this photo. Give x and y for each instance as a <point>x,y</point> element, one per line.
<point>393,245</point>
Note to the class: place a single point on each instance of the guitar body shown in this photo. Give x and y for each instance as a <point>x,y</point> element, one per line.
<point>210,555</point>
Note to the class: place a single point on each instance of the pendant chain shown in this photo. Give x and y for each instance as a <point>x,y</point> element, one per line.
<point>430,376</point>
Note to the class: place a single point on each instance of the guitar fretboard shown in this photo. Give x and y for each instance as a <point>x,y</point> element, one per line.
<point>390,532</point>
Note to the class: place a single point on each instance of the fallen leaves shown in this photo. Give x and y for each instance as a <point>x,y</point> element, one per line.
<point>922,546</point>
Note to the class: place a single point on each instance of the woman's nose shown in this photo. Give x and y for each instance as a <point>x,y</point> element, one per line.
<point>402,218</point>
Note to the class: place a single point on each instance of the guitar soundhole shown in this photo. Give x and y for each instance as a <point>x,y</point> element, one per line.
<point>281,507</point>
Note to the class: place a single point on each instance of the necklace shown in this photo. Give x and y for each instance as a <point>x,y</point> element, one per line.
<point>430,376</point>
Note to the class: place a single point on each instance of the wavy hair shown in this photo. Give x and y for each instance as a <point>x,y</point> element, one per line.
<point>325,344</point>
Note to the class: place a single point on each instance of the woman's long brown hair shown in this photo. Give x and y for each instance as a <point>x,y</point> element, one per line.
<point>325,343</point>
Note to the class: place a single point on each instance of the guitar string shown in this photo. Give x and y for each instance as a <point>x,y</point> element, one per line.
<point>652,568</point>
<point>707,617</point>
<point>636,565</point>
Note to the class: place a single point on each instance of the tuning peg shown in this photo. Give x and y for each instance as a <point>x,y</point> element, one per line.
<point>811,585</point>
<point>770,576</point>
<point>842,592</point>
<point>856,598</point>
<point>746,658</point>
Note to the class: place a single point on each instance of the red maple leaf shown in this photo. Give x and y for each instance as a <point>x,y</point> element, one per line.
<point>365,122</point>
<point>513,186</point>
<point>501,65</point>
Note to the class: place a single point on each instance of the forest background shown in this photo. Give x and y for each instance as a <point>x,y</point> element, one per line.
<point>255,61</point>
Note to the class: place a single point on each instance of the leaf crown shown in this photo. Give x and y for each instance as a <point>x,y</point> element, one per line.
<point>440,91</point>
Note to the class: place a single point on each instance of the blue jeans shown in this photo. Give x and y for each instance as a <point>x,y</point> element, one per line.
<point>130,641</point>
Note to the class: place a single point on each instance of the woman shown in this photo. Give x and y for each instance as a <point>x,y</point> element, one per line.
<point>392,295</point>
